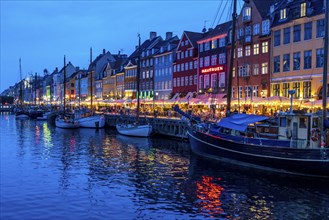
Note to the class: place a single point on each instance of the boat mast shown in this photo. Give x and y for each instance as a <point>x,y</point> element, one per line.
<point>229,81</point>
<point>20,87</point>
<point>91,79</point>
<point>325,71</point>
<point>64,83</point>
<point>138,76</point>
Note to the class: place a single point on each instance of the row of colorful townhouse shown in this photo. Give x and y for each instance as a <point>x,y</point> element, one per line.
<point>279,47</point>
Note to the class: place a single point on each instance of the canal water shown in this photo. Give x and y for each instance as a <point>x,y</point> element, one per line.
<point>51,173</point>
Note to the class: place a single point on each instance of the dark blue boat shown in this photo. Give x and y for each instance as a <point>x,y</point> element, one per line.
<point>287,151</point>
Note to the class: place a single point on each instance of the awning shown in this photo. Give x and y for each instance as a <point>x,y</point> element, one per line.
<point>240,122</point>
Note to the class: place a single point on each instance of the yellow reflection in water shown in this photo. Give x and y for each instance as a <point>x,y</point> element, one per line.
<point>209,194</point>
<point>47,136</point>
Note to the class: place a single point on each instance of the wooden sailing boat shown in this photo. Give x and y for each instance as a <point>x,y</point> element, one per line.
<point>19,112</point>
<point>88,119</point>
<point>136,129</point>
<point>294,149</point>
<point>65,120</point>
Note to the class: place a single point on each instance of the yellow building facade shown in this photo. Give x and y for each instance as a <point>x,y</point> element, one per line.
<point>297,57</point>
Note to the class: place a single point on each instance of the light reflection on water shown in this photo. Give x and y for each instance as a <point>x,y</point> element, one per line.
<point>52,173</point>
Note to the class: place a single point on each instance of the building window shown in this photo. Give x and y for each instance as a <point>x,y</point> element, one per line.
<point>276,64</point>
<point>214,80</point>
<point>206,81</point>
<point>286,35</point>
<point>303,9</point>
<point>296,87</point>
<point>265,47</point>
<point>207,61</point>
<point>214,60</point>
<point>222,42</point>
<point>308,59</point>
<point>286,62</point>
<point>201,61</point>
<point>240,33</point>
<point>320,28</point>
<point>246,14</point>
<point>201,47</point>
<point>283,14</point>
<point>178,55</point>
<point>191,65</point>
<point>191,80</point>
<point>207,46</point>
<point>186,53</point>
<point>265,68</point>
<point>307,89</point>
<point>182,81</point>
<point>285,90</point>
<point>319,57</point>
<point>256,69</point>
<point>195,79</point>
<point>178,81</point>
<point>240,92</point>
<point>214,44</point>
<point>174,82</point>
<point>222,58</point>
<point>276,89</point>
<point>240,54</point>
<point>308,31</point>
<point>297,33</point>
<point>178,67</point>
<point>182,55</point>
<point>256,49</point>
<point>255,91</point>
<point>191,53</point>
<point>256,29</point>
<point>247,50</point>
<point>195,64</point>
<point>248,31</point>
<point>296,61</point>
<point>186,66</point>
<point>277,36</point>
<point>186,80</point>
<point>233,72</point>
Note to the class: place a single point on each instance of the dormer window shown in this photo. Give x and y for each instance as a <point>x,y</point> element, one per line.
<point>168,48</point>
<point>153,50</point>
<point>303,9</point>
<point>246,14</point>
<point>283,14</point>
<point>161,50</point>
<point>147,52</point>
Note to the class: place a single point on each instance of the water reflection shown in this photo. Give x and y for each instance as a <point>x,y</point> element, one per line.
<point>88,173</point>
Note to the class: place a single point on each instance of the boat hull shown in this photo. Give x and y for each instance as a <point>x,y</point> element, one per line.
<point>63,123</point>
<point>313,162</point>
<point>95,121</point>
<point>21,115</point>
<point>134,130</point>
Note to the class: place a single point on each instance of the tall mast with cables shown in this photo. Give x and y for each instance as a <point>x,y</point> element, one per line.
<point>229,80</point>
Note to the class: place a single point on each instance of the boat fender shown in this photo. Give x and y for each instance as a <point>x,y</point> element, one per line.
<point>288,133</point>
<point>316,134</point>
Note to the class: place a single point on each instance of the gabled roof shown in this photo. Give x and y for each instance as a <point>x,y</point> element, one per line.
<point>218,30</point>
<point>193,37</point>
<point>263,7</point>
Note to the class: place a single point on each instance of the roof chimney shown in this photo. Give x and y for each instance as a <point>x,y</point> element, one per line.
<point>153,35</point>
<point>103,51</point>
<point>168,35</point>
<point>119,52</point>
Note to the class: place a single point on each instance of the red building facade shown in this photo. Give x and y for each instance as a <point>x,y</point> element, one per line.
<point>212,68</point>
<point>251,70</point>
<point>186,63</point>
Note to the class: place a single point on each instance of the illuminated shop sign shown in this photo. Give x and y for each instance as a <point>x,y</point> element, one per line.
<point>212,69</point>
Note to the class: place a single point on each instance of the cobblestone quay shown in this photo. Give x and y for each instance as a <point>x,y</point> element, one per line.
<point>173,127</point>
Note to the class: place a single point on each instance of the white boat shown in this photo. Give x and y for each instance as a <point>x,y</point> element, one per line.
<point>134,130</point>
<point>64,121</point>
<point>92,121</point>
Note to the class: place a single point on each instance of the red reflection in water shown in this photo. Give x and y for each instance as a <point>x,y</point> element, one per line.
<point>209,194</point>
<point>37,134</point>
<point>72,143</point>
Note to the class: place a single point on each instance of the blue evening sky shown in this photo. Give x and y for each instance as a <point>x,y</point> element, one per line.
<point>42,32</point>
